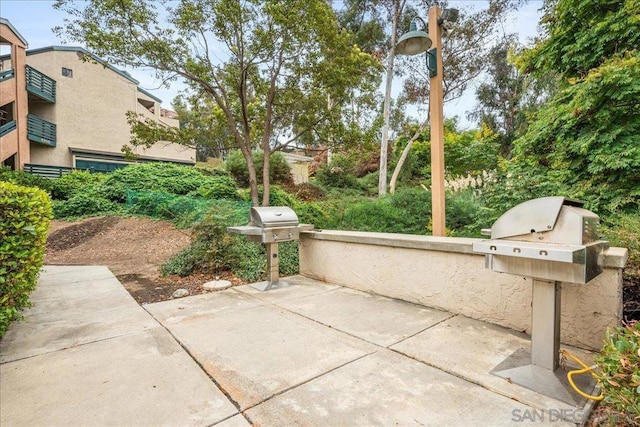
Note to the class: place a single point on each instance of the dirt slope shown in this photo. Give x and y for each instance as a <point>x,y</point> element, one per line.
<point>132,248</point>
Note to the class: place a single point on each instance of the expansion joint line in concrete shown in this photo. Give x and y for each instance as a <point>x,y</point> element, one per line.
<point>425,329</point>
<point>70,347</point>
<point>350,334</point>
<point>462,377</point>
<point>309,380</point>
<point>217,384</point>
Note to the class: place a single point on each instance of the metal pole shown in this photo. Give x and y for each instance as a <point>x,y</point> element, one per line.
<point>545,324</point>
<point>437,128</point>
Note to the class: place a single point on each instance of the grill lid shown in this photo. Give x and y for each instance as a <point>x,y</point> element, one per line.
<point>272,216</point>
<point>532,216</point>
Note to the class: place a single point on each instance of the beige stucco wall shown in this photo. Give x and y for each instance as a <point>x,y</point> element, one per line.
<point>300,172</point>
<point>443,273</point>
<point>90,110</point>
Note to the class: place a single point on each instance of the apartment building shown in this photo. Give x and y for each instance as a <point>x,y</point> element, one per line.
<point>62,107</point>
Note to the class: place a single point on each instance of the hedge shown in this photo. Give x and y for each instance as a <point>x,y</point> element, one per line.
<point>25,213</point>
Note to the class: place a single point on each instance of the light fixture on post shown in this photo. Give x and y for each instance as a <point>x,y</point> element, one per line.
<point>413,43</point>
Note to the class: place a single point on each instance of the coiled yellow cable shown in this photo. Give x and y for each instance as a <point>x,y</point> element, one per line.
<point>585,369</point>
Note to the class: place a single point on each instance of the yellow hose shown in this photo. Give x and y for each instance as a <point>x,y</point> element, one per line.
<point>585,369</point>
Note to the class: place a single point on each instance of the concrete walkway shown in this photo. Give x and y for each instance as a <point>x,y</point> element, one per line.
<point>311,354</point>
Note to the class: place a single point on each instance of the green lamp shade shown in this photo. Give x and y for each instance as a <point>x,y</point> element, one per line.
<point>413,42</point>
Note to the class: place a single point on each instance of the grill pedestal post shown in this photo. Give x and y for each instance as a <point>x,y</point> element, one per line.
<point>273,270</point>
<point>538,370</point>
<point>545,324</point>
<point>273,263</point>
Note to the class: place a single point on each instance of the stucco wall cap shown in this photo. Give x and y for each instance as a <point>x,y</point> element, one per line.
<point>613,257</point>
<point>616,257</point>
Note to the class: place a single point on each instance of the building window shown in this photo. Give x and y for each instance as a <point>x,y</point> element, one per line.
<point>67,72</point>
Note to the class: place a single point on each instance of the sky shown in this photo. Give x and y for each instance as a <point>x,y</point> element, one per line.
<point>34,20</point>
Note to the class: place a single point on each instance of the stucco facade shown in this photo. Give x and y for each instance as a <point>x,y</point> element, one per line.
<point>92,101</point>
<point>81,112</point>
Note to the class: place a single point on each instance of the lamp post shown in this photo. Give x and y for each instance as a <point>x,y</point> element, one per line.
<point>413,43</point>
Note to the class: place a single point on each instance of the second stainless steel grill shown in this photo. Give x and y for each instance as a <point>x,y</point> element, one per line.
<point>550,240</point>
<point>271,225</point>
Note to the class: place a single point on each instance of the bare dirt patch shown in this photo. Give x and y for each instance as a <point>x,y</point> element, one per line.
<point>132,248</point>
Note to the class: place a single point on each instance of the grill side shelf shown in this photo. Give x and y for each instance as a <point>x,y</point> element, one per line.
<point>572,254</point>
<point>246,229</point>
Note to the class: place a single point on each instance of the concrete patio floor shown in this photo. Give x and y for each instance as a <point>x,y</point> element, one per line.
<point>311,354</point>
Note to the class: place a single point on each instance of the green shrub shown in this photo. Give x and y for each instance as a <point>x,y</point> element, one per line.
<point>306,191</point>
<point>414,202</point>
<point>180,264</point>
<point>624,231</point>
<point>251,259</point>
<point>369,183</point>
<point>383,215</point>
<point>185,262</point>
<point>619,362</point>
<point>213,249</point>
<point>84,204</point>
<point>183,211</point>
<point>219,187</point>
<point>165,177</point>
<point>340,173</point>
<point>320,215</point>
<point>214,171</point>
<point>24,219</point>
<point>74,182</point>
<point>279,169</point>
<point>278,197</point>
<point>467,214</point>
<point>211,246</point>
<point>25,179</point>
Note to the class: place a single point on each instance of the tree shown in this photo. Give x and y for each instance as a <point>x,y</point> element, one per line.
<point>586,137</point>
<point>202,127</point>
<point>469,152</point>
<point>203,124</point>
<point>367,25</point>
<point>507,95</point>
<point>268,65</point>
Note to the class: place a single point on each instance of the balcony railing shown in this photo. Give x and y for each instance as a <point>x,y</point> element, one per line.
<point>7,74</point>
<point>40,85</point>
<point>7,127</point>
<point>47,171</point>
<point>42,131</point>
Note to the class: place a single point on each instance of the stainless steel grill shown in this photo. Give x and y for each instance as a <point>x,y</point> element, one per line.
<point>551,240</point>
<point>271,225</point>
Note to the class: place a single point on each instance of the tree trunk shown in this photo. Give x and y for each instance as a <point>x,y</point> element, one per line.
<point>253,178</point>
<point>384,144</point>
<point>266,183</point>
<point>403,157</point>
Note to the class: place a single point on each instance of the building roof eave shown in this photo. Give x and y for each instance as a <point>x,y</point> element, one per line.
<point>4,21</point>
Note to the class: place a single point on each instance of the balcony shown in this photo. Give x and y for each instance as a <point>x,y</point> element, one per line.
<point>7,127</point>
<point>40,85</point>
<point>6,75</point>
<point>41,131</point>
<point>47,171</point>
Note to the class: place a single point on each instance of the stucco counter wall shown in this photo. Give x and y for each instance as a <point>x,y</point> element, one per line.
<point>444,273</point>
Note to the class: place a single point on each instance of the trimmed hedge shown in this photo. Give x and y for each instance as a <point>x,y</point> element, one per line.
<point>25,213</point>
